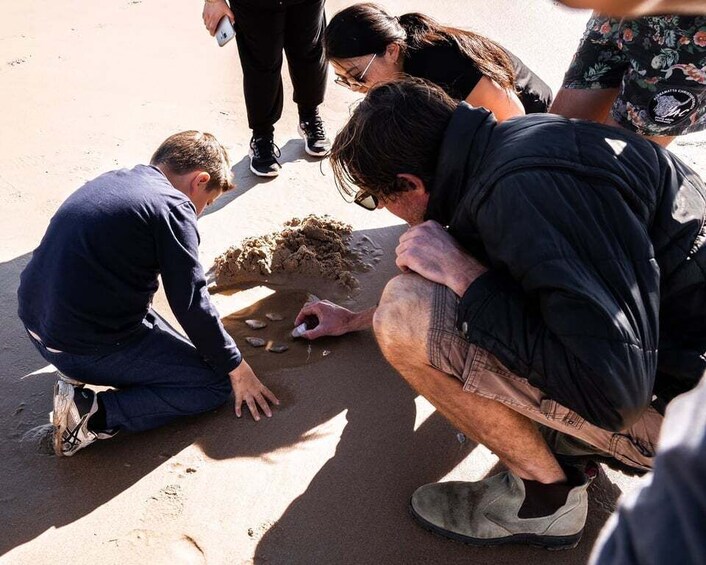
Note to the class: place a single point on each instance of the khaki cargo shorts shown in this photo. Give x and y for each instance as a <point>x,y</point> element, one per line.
<point>483,374</point>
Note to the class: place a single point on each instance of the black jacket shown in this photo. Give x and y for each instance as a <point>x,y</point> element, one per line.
<point>596,245</point>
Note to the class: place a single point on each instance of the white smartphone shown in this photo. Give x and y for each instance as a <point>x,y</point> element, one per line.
<point>224,31</point>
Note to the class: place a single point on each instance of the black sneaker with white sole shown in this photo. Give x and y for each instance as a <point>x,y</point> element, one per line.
<point>263,157</point>
<point>312,131</point>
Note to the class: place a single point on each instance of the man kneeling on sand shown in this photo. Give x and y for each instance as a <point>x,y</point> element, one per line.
<point>548,262</point>
<point>85,300</point>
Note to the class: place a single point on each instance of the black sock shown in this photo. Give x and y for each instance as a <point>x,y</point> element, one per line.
<point>97,423</point>
<point>543,500</point>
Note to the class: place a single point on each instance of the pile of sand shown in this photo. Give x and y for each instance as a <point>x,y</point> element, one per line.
<point>316,246</point>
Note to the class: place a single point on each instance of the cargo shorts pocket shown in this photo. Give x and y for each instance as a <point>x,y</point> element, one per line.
<point>556,412</point>
<point>632,451</point>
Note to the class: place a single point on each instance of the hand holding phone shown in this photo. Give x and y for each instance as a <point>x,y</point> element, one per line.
<point>224,31</point>
<point>213,13</point>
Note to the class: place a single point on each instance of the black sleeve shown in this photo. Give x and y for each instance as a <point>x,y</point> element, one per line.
<point>572,302</point>
<point>534,93</point>
<point>186,289</point>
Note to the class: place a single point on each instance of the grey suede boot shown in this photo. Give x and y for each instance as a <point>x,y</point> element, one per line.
<point>486,512</point>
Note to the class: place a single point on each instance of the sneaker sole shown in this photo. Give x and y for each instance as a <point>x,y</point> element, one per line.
<point>306,147</point>
<point>258,173</point>
<point>553,543</point>
<point>63,398</point>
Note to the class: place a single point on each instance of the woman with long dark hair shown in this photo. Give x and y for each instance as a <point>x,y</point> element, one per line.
<point>365,45</point>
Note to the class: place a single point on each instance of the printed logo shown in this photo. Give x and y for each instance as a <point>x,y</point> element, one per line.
<point>671,106</point>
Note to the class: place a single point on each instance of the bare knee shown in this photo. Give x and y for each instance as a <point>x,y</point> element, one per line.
<point>397,313</point>
<point>401,320</point>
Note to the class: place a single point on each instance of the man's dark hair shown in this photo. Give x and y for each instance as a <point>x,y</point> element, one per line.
<point>193,150</point>
<point>397,128</point>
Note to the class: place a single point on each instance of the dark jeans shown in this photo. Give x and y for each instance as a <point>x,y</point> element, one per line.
<point>262,33</point>
<point>158,376</point>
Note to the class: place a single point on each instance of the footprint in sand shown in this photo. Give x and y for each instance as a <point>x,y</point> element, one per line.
<point>185,469</point>
<point>166,504</point>
<point>158,547</point>
<point>39,439</point>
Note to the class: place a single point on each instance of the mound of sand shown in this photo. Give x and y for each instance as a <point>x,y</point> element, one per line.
<point>315,246</point>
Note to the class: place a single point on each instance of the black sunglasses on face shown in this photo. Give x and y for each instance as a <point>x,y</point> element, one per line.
<point>366,200</point>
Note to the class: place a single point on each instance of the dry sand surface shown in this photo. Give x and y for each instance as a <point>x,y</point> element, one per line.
<point>91,86</point>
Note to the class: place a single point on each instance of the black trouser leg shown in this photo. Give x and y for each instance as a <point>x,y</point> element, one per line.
<point>303,43</point>
<point>260,38</point>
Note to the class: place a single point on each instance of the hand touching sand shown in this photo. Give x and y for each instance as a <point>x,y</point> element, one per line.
<point>248,388</point>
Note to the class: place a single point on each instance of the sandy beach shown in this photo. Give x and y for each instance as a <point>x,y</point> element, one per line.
<point>87,87</point>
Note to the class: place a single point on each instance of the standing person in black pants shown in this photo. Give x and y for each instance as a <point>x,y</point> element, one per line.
<point>263,29</point>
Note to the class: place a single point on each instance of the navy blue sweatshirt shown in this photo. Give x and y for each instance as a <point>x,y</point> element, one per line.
<point>90,282</point>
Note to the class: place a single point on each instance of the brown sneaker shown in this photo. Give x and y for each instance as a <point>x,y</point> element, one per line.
<point>487,513</point>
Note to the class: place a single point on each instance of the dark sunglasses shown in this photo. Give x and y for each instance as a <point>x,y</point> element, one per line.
<point>366,200</point>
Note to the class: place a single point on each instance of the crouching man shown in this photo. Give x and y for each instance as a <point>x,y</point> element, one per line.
<point>85,300</point>
<point>548,263</point>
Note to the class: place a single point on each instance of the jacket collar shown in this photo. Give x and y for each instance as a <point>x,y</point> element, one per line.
<point>460,156</point>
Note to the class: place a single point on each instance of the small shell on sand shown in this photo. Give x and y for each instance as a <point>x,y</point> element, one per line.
<point>273,347</point>
<point>256,324</point>
<point>255,341</point>
<point>274,317</point>
<point>309,323</point>
<point>299,330</point>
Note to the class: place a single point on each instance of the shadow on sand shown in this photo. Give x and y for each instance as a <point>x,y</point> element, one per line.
<point>245,179</point>
<point>353,511</point>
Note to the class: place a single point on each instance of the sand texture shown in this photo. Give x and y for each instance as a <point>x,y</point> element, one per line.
<point>314,246</point>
